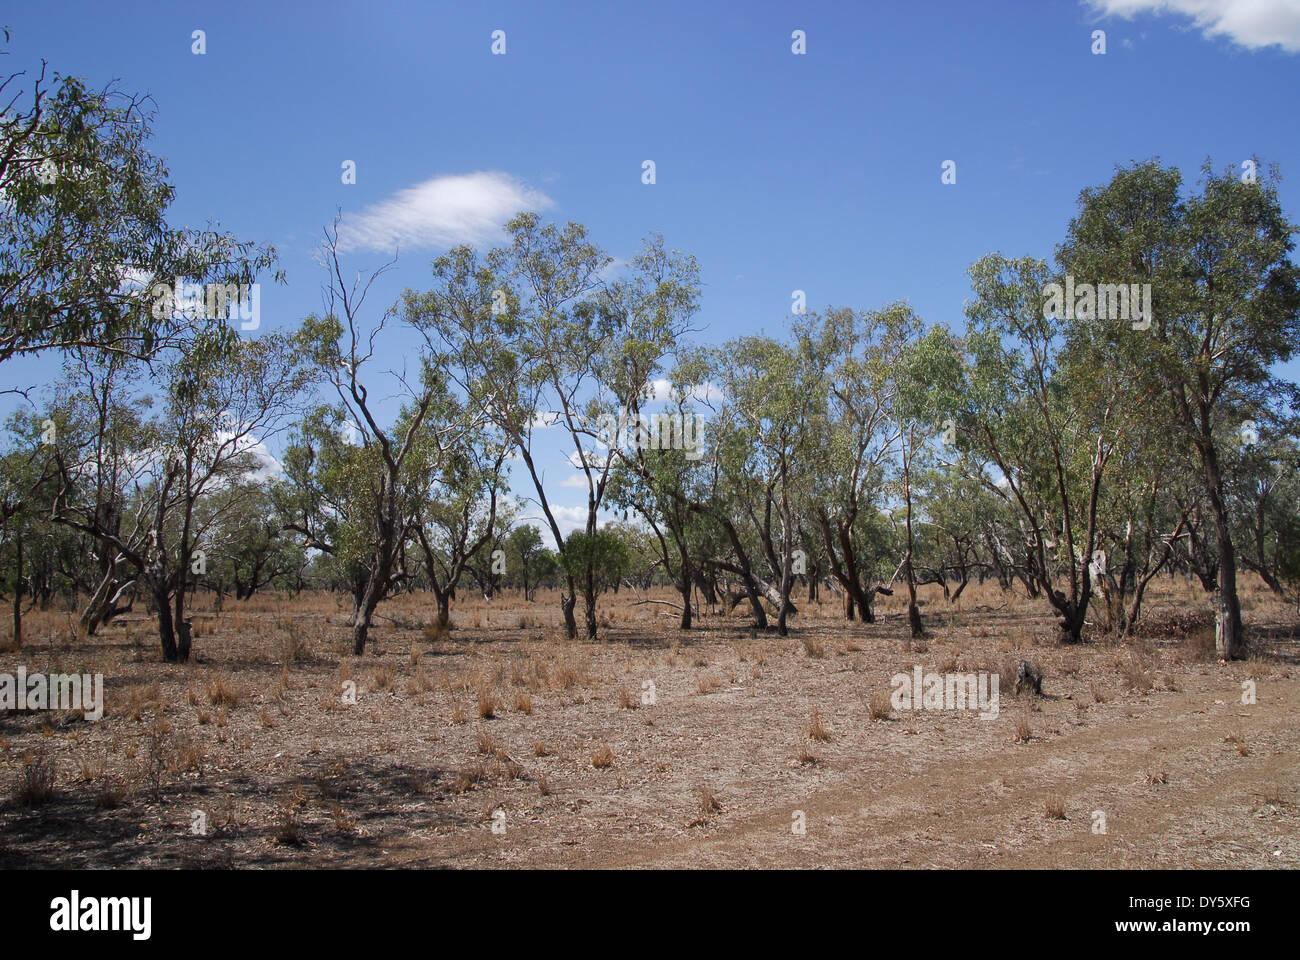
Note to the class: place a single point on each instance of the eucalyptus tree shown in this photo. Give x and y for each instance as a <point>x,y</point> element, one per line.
<point>648,311</point>
<point>953,541</point>
<point>1038,428</point>
<point>324,499</point>
<point>535,339</point>
<point>904,328</point>
<point>83,230</point>
<point>596,562</point>
<point>1263,491</point>
<point>219,401</point>
<point>95,436</point>
<point>768,450</point>
<point>859,433</point>
<point>249,548</point>
<point>527,559</point>
<point>1145,509</point>
<point>1226,312</point>
<point>373,519</point>
<point>26,535</point>
<point>456,504</point>
<point>668,487</point>
<point>511,325</point>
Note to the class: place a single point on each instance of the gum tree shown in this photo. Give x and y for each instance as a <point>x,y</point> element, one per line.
<point>859,430</point>
<point>219,400</point>
<point>357,499</point>
<point>536,339</point>
<point>1038,429</point>
<point>767,451</point>
<point>83,229</point>
<point>1226,313</point>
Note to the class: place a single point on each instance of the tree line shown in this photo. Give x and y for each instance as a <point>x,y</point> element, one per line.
<point>1053,443</point>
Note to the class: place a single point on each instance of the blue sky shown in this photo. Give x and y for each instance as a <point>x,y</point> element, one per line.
<point>778,171</point>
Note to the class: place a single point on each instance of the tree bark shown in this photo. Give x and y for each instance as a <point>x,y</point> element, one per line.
<point>18,593</point>
<point>1228,641</point>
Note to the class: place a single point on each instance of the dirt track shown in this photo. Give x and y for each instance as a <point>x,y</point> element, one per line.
<point>989,812</point>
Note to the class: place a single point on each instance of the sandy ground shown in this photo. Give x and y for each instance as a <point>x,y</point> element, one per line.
<point>250,756</point>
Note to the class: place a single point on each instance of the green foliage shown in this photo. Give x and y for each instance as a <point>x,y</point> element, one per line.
<point>596,560</point>
<point>83,231</point>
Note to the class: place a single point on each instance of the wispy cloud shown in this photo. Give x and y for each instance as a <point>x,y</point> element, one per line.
<point>569,519</point>
<point>441,213</point>
<point>1253,24</point>
<point>707,393</point>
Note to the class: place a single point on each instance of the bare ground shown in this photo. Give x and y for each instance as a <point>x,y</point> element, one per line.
<point>250,757</point>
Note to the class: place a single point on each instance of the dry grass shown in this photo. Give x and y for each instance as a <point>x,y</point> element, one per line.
<point>221,693</point>
<point>467,778</point>
<point>814,648</point>
<point>709,803</point>
<point>817,728</point>
<point>382,677</point>
<point>36,780</point>
<point>1135,675</point>
<point>253,713</point>
<point>880,705</point>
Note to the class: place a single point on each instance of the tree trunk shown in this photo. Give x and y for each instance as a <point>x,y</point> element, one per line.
<point>166,625</point>
<point>706,587</point>
<point>444,607</point>
<point>18,594</point>
<point>567,602</point>
<point>1228,641</point>
<point>913,611</point>
<point>914,618</point>
<point>589,610</point>
<point>1072,615</point>
<point>365,609</point>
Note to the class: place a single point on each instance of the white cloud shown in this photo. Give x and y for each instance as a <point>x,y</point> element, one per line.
<point>442,212</point>
<point>1253,24</point>
<point>594,458</point>
<point>707,392</point>
<point>661,389</point>
<point>569,519</point>
<point>611,270</point>
<point>134,278</point>
<point>268,467</point>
